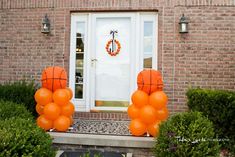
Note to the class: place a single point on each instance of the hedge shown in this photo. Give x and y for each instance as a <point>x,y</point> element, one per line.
<point>187,134</point>
<point>12,110</point>
<point>21,93</point>
<point>22,138</point>
<point>19,135</point>
<point>219,107</point>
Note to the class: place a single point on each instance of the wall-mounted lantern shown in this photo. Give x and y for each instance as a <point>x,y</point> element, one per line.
<point>183,25</point>
<point>45,25</point>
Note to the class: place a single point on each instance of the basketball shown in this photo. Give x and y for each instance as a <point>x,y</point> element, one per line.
<point>149,81</point>
<point>54,78</point>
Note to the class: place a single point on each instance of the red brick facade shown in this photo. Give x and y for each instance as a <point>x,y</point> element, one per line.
<point>205,57</point>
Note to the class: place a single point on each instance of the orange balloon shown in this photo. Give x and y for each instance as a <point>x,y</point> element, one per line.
<point>67,110</point>
<point>148,114</point>
<point>158,99</point>
<point>149,81</point>
<point>153,129</point>
<point>61,97</point>
<point>54,78</point>
<point>139,98</point>
<point>39,109</point>
<point>70,92</point>
<point>44,123</point>
<point>43,96</point>
<point>62,123</point>
<point>137,128</point>
<point>133,111</point>
<point>52,111</point>
<point>162,114</point>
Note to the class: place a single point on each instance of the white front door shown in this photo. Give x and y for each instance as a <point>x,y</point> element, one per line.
<point>106,53</point>
<point>112,62</point>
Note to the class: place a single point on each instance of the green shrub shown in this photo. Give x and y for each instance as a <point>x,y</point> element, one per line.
<point>10,110</point>
<point>186,135</point>
<point>22,138</point>
<point>19,92</point>
<point>219,107</point>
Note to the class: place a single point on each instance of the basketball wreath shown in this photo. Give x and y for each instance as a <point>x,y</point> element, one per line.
<point>111,51</point>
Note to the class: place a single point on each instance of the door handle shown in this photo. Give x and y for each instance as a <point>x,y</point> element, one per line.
<point>94,60</point>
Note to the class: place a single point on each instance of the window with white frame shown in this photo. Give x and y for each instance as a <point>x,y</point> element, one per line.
<point>79,70</point>
<point>148,44</point>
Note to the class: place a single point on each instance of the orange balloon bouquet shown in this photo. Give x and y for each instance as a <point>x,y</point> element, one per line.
<point>52,99</point>
<point>149,106</point>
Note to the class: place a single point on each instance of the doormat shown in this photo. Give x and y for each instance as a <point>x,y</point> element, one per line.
<point>100,127</point>
<point>91,154</point>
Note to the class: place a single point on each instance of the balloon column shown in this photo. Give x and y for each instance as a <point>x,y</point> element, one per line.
<point>53,100</point>
<point>149,104</point>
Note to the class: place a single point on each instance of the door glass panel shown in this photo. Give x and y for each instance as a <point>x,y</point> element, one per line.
<point>148,28</point>
<point>148,44</point>
<point>112,73</point>
<point>79,71</point>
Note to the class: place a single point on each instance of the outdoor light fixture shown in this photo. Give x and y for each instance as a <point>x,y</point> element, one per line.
<point>183,24</point>
<point>45,25</point>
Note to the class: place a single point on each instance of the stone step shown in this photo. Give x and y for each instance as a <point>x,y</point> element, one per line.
<point>102,140</point>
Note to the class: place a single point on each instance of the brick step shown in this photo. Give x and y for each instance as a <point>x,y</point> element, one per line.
<point>101,115</point>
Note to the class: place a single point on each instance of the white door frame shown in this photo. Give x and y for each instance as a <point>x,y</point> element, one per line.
<point>87,103</point>
<point>80,104</point>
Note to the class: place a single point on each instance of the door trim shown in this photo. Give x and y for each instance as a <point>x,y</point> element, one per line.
<point>80,104</point>
<point>87,103</point>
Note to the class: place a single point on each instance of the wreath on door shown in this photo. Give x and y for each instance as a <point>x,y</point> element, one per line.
<point>113,47</point>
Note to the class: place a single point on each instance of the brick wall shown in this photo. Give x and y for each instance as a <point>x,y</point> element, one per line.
<point>205,57</point>
<point>107,4</point>
<point>25,51</point>
<point>101,116</point>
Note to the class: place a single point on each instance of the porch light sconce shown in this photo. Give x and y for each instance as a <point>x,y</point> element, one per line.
<point>45,25</point>
<point>183,25</point>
